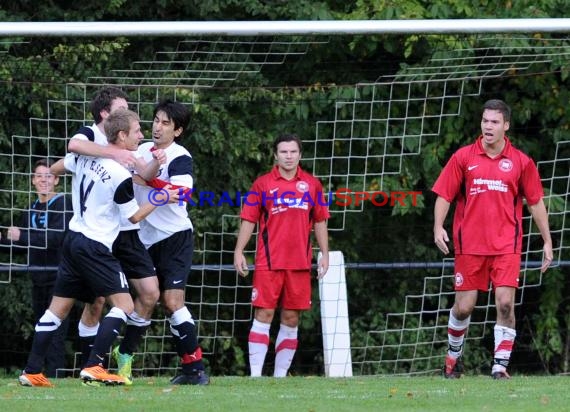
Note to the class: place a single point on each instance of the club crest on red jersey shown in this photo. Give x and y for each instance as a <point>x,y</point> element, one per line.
<point>302,186</point>
<point>506,165</point>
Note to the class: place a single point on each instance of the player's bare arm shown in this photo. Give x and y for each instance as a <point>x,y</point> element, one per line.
<point>540,217</point>
<point>148,171</point>
<point>147,208</point>
<point>142,212</point>
<point>245,231</point>
<point>322,236</point>
<point>139,180</point>
<point>440,236</point>
<point>58,168</point>
<point>87,148</point>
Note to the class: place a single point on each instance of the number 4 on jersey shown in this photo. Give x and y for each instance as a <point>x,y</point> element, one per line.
<point>84,194</point>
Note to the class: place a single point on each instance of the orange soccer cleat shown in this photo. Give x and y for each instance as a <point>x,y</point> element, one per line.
<point>98,374</point>
<point>35,379</point>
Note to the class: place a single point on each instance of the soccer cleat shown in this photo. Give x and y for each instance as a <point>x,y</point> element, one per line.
<point>501,375</point>
<point>98,374</point>
<point>91,384</point>
<point>35,379</point>
<point>124,365</point>
<point>196,378</point>
<point>453,368</point>
<point>499,372</point>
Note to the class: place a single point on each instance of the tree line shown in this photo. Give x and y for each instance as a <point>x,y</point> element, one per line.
<point>233,128</point>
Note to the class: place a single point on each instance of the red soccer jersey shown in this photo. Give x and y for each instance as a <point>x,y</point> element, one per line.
<point>286,211</point>
<point>488,192</point>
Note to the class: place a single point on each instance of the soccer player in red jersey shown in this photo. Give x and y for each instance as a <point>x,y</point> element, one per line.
<point>488,180</point>
<point>287,203</point>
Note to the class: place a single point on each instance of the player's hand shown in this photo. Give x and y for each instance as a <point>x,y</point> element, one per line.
<point>547,259</point>
<point>126,158</point>
<point>240,264</point>
<point>441,240</point>
<point>13,233</point>
<point>173,194</point>
<point>323,266</point>
<point>159,155</point>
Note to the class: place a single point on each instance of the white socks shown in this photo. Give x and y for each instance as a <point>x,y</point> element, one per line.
<point>258,342</point>
<point>285,347</point>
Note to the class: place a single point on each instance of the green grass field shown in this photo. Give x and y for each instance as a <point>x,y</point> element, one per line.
<point>298,394</point>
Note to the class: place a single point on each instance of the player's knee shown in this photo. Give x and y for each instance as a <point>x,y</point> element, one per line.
<point>462,311</point>
<point>173,302</point>
<point>149,298</point>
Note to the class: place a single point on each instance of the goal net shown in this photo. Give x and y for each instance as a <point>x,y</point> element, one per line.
<point>362,144</point>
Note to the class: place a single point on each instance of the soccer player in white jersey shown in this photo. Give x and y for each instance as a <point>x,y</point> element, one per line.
<point>91,141</point>
<point>135,261</point>
<point>102,194</point>
<point>105,101</point>
<point>168,234</point>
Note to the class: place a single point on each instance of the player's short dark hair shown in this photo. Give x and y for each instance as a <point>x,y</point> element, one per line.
<point>499,105</point>
<point>287,137</point>
<point>45,162</point>
<point>176,112</point>
<point>119,121</point>
<point>103,99</point>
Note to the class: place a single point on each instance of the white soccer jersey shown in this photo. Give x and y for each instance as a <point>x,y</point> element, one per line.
<point>102,195</point>
<point>91,133</point>
<point>94,134</point>
<point>170,218</point>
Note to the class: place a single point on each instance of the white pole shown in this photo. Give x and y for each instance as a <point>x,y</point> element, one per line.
<point>334,319</point>
<point>299,27</point>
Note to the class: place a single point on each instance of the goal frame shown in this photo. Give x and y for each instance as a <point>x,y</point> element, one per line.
<point>299,27</point>
<point>337,357</point>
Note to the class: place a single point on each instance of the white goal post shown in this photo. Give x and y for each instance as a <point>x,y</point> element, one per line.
<point>354,131</point>
<point>334,319</point>
<point>300,27</point>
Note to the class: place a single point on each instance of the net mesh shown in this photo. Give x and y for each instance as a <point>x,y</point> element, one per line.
<point>369,131</point>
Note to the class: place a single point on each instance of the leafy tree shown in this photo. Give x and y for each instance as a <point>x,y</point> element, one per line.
<point>233,126</point>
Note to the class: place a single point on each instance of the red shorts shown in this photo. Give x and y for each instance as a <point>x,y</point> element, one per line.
<point>289,289</point>
<point>474,272</point>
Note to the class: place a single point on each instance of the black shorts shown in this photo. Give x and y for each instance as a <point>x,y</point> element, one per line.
<point>172,259</point>
<point>87,270</point>
<point>132,254</point>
